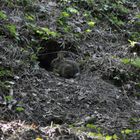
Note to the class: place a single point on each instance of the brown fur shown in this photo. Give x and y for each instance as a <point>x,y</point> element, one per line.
<point>65,67</point>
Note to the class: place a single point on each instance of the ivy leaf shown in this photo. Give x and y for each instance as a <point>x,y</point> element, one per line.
<point>72,10</point>
<point>132,43</point>
<point>19,109</point>
<point>91,23</point>
<point>38,139</point>
<point>125,60</point>
<point>108,138</point>
<point>88,31</point>
<point>127,131</point>
<point>65,14</point>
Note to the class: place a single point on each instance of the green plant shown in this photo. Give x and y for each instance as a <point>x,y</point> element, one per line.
<point>8,98</point>
<point>91,23</point>
<point>115,20</point>
<point>135,36</point>
<point>45,32</point>
<point>134,121</point>
<point>128,132</point>
<point>30,17</point>
<point>12,30</point>
<point>135,61</point>
<point>72,10</point>
<point>3,15</point>
<point>24,2</point>
<point>20,109</point>
<point>98,134</point>
<point>4,72</point>
<point>65,14</point>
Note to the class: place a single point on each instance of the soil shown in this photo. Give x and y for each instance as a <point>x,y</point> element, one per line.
<point>103,94</point>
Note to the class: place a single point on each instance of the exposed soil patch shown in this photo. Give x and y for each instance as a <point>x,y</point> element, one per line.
<point>106,93</point>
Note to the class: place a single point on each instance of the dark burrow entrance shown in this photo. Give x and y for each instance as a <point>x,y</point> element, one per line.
<point>50,50</point>
<point>47,53</point>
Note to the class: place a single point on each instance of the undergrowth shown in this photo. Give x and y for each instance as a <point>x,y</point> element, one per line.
<point>75,21</point>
